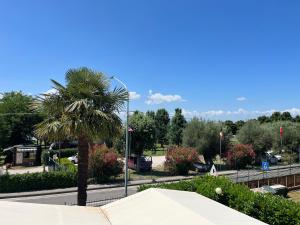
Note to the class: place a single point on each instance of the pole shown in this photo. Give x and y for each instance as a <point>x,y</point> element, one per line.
<point>126,148</point>
<point>220,152</point>
<point>126,151</point>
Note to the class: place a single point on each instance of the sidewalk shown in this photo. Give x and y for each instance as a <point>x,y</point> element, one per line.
<point>102,186</point>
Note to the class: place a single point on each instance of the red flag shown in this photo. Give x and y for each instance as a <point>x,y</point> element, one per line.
<point>281,131</point>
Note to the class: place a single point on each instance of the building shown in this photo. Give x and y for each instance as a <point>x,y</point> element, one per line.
<point>20,155</point>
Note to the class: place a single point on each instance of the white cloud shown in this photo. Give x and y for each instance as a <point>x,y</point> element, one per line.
<point>134,96</point>
<point>241,99</point>
<point>158,98</point>
<point>51,91</point>
<point>1,96</point>
<point>239,112</point>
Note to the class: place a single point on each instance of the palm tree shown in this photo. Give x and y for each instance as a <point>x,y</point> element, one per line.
<point>84,109</point>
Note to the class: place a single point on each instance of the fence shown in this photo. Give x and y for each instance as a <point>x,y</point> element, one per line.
<point>99,202</point>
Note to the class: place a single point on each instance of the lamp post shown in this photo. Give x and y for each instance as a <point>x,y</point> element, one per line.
<point>127,135</point>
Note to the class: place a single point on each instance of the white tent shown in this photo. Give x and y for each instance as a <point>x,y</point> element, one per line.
<point>169,207</point>
<point>153,206</point>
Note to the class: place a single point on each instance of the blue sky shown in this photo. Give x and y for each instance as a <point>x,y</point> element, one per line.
<point>215,59</point>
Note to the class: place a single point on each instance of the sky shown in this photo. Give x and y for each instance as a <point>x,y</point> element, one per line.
<point>214,59</point>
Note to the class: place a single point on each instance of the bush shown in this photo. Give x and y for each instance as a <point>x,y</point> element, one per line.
<point>68,165</point>
<point>180,160</point>
<point>37,181</point>
<point>270,209</point>
<point>240,155</point>
<point>104,164</point>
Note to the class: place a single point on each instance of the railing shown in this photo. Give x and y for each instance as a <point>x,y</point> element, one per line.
<point>99,202</point>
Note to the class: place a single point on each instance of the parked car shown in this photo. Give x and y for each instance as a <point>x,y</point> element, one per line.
<point>74,159</point>
<point>145,163</point>
<point>271,158</point>
<point>279,157</point>
<point>277,189</point>
<point>201,167</point>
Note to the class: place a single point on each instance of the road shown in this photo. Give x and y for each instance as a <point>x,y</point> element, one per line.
<point>105,195</point>
<point>115,193</point>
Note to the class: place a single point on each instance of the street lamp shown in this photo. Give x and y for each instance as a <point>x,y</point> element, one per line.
<point>126,149</point>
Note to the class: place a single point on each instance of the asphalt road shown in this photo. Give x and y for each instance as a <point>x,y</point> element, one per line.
<point>105,195</point>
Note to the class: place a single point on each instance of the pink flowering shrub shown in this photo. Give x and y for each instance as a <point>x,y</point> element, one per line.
<point>104,163</point>
<point>180,160</point>
<point>240,155</point>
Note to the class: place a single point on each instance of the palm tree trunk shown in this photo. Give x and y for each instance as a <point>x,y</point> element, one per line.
<point>83,158</point>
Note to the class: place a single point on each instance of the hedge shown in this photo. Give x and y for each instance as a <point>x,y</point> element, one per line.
<point>273,210</point>
<point>37,181</point>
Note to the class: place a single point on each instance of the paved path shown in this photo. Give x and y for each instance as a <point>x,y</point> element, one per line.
<point>35,169</point>
<point>158,161</point>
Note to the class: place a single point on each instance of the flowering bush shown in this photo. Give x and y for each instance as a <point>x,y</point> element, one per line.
<point>241,155</point>
<point>104,164</point>
<point>180,160</point>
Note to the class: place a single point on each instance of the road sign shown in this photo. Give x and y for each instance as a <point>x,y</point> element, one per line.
<point>265,166</point>
<point>213,171</point>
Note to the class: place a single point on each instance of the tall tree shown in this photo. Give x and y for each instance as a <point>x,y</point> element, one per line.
<point>286,116</point>
<point>264,119</point>
<point>84,109</point>
<point>239,124</point>
<point>231,126</point>
<point>143,134</point>
<point>276,116</point>
<point>162,120</point>
<point>205,137</point>
<point>255,134</point>
<point>178,124</point>
<point>16,119</point>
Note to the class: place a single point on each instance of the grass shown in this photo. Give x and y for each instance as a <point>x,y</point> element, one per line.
<point>156,153</point>
<point>294,196</point>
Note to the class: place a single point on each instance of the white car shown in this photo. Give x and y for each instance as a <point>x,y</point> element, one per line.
<point>279,157</point>
<point>74,159</point>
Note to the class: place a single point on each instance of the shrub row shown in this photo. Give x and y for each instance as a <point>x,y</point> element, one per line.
<point>273,210</point>
<point>37,181</point>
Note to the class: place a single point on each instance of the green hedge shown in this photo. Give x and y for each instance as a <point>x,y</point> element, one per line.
<point>68,165</point>
<point>37,181</point>
<point>273,210</point>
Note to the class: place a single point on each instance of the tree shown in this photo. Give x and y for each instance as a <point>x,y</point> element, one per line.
<point>162,121</point>
<point>263,119</point>
<point>297,119</point>
<point>16,119</point>
<point>205,137</point>
<point>143,134</point>
<point>231,126</point>
<point>286,116</point>
<point>276,116</point>
<point>178,124</point>
<point>239,124</point>
<point>253,133</point>
<point>151,114</point>
<point>84,109</point>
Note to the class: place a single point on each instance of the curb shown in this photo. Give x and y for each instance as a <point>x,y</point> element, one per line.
<point>74,189</point>
<point>99,187</point>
